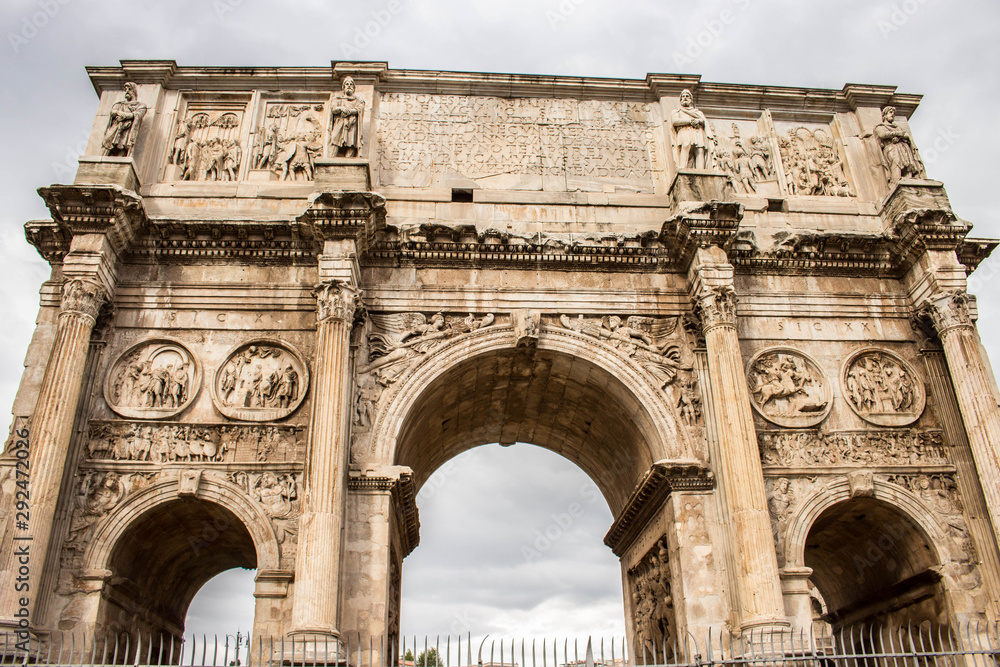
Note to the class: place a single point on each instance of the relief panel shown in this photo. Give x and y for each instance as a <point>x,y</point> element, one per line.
<point>207,143</point>
<point>882,388</point>
<point>260,381</point>
<point>153,379</point>
<point>519,143</point>
<point>788,388</point>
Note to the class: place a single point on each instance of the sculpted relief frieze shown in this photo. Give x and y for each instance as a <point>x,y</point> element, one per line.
<point>649,341</point>
<point>518,143</point>
<point>206,143</point>
<point>167,443</point>
<point>812,163</point>
<point>280,496</point>
<point>889,447</point>
<point>748,157</point>
<point>288,140</point>
<point>939,493</point>
<point>153,379</point>
<point>652,601</point>
<point>260,381</point>
<point>788,388</point>
<point>882,388</point>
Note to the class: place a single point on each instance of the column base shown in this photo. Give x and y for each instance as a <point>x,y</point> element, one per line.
<point>303,647</point>
<point>766,639</point>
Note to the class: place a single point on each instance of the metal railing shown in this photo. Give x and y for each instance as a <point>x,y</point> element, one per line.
<point>971,645</point>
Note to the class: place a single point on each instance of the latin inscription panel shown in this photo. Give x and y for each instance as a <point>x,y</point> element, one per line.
<point>520,143</point>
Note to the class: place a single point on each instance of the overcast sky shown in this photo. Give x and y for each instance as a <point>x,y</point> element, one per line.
<point>468,570</point>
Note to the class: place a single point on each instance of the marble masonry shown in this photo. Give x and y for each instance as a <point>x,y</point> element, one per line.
<point>281,298</point>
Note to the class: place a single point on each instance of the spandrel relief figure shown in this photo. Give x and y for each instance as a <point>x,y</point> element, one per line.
<point>260,381</point>
<point>883,389</point>
<point>399,339</point>
<point>346,110</point>
<point>788,389</point>
<point>98,494</point>
<point>153,379</point>
<point>123,124</point>
<point>649,341</point>
<point>689,134</point>
<point>899,157</point>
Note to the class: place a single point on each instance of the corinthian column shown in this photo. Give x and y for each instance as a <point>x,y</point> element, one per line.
<point>317,563</point>
<point>949,311</point>
<point>758,586</point>
<point>51,427</point>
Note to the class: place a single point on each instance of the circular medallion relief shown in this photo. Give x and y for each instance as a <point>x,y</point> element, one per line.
<point>260,381</point>
<point>153,379</point>
<point>788,388</point>
<point>882,388</point>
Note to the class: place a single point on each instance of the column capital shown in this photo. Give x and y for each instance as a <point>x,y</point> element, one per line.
<point>948,310</point>
<point>716,306</point>
<point>82,297</point>
<point>336,300</point>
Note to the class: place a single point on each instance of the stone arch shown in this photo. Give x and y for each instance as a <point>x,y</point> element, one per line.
<point>216,529</point>
<point>910,549</point>
<point>644,416</point>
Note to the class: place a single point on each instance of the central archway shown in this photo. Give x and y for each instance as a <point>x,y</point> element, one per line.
<point>571,395</point>
<point>567,393</point>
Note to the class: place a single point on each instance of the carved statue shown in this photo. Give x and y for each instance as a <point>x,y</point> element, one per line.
<point>123,124</point>
<point>689,134</point>
<point>346,111</point>
<point>899,157</point>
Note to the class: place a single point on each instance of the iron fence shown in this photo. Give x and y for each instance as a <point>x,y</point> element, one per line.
<point>970,645</point>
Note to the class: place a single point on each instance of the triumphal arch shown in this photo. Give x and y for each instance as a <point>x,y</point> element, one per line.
<point>281,298</point>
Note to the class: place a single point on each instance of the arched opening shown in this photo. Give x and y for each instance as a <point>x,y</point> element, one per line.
<point>161,561</point>
<point>561,402</point>
<point>224,605</point>
<point>566,396</point>
<point>511,546</point>
<point>873,565</point>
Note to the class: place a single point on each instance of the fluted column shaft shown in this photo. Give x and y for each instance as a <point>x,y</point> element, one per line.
<point>51,429</point>
<point>758,584</point>
<point>317,565</point>
<point>977,403</point>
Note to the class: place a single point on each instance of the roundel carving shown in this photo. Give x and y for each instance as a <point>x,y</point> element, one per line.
<point>260,381</point>
<point>153,379</point>
<point>882,388</point>
<point>788,388</point>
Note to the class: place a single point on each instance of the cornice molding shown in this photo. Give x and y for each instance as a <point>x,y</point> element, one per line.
<point>654,86</point>
<point>649,495</point>
<point>111,210</point>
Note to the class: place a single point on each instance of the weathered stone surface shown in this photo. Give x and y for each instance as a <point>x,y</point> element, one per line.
<point>281,299</point>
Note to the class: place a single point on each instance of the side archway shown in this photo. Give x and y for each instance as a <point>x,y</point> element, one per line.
<point>157,548</point>
<point>877,558</point>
